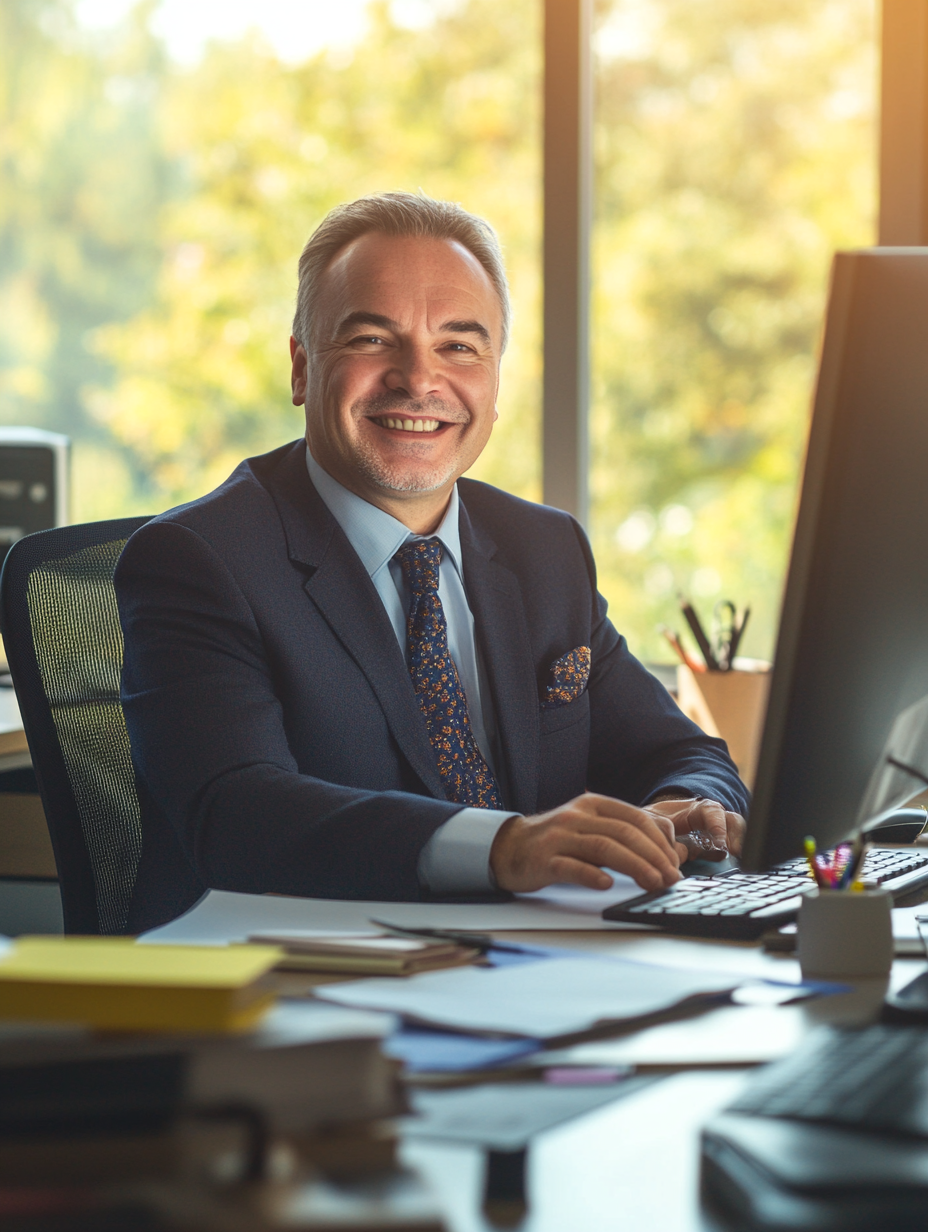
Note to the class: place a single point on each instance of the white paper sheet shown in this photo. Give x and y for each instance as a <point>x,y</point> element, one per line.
<point>907,938</point>
<point>729,1035</point>
<point>545,1000</point>
<point>221,917</point>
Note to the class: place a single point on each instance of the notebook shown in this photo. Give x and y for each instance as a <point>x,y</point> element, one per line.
<point>357,955</point>
<point>111,983</point>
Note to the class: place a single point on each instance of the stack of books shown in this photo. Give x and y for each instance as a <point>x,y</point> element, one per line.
<point>162,1087</point>
<point>113,984</point>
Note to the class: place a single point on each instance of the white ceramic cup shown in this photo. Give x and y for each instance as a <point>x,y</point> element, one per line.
<point>842,933</point>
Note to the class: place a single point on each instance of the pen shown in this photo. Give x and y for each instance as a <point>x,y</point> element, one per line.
<point>809,845</point>
<point>473,941</point>
<point>689,615</point>
<point>853,865</point>
<point>680,650</point>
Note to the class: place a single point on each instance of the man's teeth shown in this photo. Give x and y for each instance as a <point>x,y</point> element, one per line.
<point>410,425</point>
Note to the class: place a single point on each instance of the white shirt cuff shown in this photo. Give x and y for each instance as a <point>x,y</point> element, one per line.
<point>456,859</point>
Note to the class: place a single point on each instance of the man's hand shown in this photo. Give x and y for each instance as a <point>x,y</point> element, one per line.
<point>710,831</point>
<point>574,842</point>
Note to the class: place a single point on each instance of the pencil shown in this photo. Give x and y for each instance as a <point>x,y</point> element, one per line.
<point>809,846</point>
<point>689,615</point>
<point>679,649</point>
<point>852,868</point>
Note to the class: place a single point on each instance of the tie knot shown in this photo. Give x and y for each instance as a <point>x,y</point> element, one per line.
<point>419,561</point>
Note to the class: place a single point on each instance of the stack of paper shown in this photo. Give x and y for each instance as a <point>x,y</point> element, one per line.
<point>221,916</point>
<point>356,954</point>
<point>553,999</point>
<point>111,983</point>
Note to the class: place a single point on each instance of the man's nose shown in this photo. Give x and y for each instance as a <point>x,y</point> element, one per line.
<point>414,373</point>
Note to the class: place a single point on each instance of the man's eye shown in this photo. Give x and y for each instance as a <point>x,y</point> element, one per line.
<point>367,340</point>
<point>458,346</point>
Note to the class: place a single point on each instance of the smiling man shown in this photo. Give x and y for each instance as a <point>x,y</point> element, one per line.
<point>351,673</point>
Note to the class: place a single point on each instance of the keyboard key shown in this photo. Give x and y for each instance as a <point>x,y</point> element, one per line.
<point>743,905</point>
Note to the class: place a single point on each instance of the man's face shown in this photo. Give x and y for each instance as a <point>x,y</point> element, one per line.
<point>400,391</point>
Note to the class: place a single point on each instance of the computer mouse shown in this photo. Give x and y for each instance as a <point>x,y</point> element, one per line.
<point>903,826</point>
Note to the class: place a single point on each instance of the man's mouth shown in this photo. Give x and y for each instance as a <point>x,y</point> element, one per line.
<point>408,425</point>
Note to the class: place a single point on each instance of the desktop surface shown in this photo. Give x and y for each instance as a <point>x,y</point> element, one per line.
<point>635,1162</point>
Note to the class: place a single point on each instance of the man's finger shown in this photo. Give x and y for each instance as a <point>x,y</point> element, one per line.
<point>567,870</point>
<point>591,805</point>
<point>659,828</point>
<point>643,862</point>
<point>735,826</point>
<point>709,815</point>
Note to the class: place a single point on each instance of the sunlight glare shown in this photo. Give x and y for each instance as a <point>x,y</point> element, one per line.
<point>295,31</point>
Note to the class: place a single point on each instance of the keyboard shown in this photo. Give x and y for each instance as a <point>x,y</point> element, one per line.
<point>738,906</point>
<point>874,1079</point>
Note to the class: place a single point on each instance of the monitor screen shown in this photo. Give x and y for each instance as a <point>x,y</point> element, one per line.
<point>849,695</point>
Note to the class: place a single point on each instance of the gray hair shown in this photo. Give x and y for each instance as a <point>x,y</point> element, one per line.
<point>400,214</point>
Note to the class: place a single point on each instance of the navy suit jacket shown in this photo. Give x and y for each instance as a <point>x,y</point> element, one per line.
<point>276,736</point>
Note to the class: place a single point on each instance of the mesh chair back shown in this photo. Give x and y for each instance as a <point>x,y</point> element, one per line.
<point>64,645</point>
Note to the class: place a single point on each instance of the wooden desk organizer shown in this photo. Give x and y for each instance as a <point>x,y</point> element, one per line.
<point>732,705</point>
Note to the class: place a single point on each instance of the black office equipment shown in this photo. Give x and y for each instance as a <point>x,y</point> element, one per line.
<point>63,640</point>
<point>849,693</point>
<point>833,1137</point>
<point>34,469</point>
<point>902,826</point>
<point>738,906</point>
<point>852,651</point>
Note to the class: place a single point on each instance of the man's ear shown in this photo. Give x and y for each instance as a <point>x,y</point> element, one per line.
<point>299,372</point>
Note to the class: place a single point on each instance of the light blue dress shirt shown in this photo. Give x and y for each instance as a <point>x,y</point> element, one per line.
<point>456,859</point>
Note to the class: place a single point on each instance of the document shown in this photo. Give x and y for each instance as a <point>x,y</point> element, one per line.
<point>448,1052</point>
<point>727,1035</point>
<point>221,917</point>
<point>550,999</point>
<point>507,1116</point>
<point>906,935</point>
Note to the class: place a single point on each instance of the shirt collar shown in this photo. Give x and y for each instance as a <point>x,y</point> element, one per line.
<point>377,536</point>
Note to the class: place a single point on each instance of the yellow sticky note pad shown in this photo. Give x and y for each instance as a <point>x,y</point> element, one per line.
<point>112,983</point>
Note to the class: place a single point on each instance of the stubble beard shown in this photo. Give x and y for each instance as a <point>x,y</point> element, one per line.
<point>395,477</point>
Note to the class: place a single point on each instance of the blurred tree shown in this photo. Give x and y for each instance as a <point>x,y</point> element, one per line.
<point>267,150</point>
<point>735,151</point>
<point>151,216</point>
<point>82,183</point>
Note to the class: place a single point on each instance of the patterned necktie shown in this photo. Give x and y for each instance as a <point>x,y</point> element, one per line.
<point>466,776</point>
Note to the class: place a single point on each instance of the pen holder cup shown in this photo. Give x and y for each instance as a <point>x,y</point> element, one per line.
<point>731,705</point>
<point>843,933</point>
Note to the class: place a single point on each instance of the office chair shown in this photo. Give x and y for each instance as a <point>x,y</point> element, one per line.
<point>64,645</point>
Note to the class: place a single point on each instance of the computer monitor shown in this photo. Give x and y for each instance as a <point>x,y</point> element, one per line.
<point>34,468</point>
<point>850,679</point>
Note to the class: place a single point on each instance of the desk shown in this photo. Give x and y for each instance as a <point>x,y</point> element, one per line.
<point>14,750</point>
<point>634,1164</point>
<point>25,846</point>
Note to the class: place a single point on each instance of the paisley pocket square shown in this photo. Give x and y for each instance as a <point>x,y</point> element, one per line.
<point>569,676</point>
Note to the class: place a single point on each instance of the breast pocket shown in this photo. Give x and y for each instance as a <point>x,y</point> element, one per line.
<point>556,718</point>
<point>564,752</point>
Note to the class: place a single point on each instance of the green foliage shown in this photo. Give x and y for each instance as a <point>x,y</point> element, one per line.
<point>151,218</point>
<point>735,153</point>
<point>267,151</point>
<point>82,182</point>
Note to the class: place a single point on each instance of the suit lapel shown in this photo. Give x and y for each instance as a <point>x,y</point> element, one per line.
<point>495,599</point>
<point>344,595</point>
